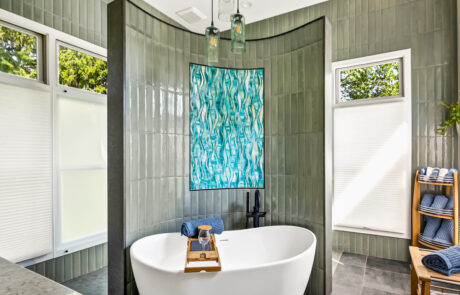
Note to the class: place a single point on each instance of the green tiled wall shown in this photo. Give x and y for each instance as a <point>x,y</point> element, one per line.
<point>73,265</point>
<point>367,27</point>
<point>85,19</point>
<point>157,129</point>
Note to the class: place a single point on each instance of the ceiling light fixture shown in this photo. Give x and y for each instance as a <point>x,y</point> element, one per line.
<point>238,31</point>
<point>246,4</point>
<point>226,9</point>
<point>212,39</point>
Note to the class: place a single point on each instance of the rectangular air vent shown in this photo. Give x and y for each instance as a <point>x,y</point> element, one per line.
<point>191,15</point>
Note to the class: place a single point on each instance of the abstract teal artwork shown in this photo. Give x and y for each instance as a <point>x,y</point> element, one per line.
<point>226,128</point>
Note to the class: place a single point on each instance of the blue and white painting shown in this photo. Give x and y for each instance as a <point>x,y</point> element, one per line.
<point>226,128</point>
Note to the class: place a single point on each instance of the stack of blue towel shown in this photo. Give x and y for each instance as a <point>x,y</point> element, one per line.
<point>445,261</point>
<point>190,228</point>
<point>437,229</point>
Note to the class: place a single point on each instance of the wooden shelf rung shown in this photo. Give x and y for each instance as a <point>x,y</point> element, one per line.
<point>435,183</point>
<point>435,215</point>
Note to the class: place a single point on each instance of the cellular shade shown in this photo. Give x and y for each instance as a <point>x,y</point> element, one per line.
<point>25,173</point>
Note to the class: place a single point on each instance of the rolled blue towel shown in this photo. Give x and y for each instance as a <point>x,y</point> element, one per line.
<point>445,233</point>
<point>423,171</point>
<point>427,200</point>
<point>451,172</point>
<point>445,261</point>
<point>439,202</point>
<point>450,203</point>
<point>433,223</point>
<point>190,228</point>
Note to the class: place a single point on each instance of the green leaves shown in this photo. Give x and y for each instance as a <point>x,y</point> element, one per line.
<point>370,82</point>
<point>80,70</point>
<point>18,52</point>
<point>454,117</point>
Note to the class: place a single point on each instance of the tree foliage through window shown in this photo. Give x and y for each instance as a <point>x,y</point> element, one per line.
<point>370,82</point>
<point>80,70</point>
<point>18,52</point>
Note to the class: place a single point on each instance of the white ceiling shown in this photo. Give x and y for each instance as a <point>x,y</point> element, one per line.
<point>259,10</point>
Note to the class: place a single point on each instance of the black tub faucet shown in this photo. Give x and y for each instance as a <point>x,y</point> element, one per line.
<point>255,213</point>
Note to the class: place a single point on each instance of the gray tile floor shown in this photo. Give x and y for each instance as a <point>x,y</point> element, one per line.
<point>356,274</point>
<point>94,283</point>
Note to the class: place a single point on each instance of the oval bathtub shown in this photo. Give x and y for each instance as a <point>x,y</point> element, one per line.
<point>266,260</point>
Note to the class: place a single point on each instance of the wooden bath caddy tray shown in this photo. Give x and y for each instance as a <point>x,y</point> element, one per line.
<point>198,261</point>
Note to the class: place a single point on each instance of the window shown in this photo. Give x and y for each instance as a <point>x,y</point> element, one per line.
<point>369,81</point>
<point>54,121</point>
<point>82,70</point>
<point>20,52</point>
<point>372,145</point>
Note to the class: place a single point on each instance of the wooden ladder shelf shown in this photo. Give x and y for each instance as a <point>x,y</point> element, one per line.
<point>416,213</point>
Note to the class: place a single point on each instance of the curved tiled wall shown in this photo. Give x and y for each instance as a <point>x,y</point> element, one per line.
<point>156,99</point>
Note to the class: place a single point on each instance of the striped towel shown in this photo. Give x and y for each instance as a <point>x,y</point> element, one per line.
<point>445,261</point>
<point>442,173</point>
<point>433,223</point>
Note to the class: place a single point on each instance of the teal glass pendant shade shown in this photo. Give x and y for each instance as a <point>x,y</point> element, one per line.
<point>238,33</point>
<point>212,44</point>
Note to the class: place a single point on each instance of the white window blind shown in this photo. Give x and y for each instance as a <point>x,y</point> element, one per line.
<point>25,173</point>
<point>81,127</point>
<point>372,161</point>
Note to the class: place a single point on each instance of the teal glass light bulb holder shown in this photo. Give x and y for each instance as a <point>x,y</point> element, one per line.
<point>212,44</point>
<point>238,33</point>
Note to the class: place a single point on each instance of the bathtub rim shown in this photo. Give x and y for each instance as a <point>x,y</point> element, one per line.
<point>264,265</point>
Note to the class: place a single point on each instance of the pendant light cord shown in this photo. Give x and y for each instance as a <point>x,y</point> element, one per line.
<point>212,12</point>
<point>238,6</point>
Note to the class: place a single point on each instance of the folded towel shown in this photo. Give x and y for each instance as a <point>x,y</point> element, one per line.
<point>451,172</point>
<point>445,261</point>
<point>190,228</point>
<point>423,171</point>
<point>450,203</point>
<point>442,173</point>
<point>433,223</point>
<point>445,233</point>
<point>429,170</point>
<point>434,174</point>
<point>439,202</point>
<point>427,200</point>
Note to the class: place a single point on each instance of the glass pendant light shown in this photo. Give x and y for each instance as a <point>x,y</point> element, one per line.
<point>212,39</point>
<point>226,9</point>
<point>238,32</point>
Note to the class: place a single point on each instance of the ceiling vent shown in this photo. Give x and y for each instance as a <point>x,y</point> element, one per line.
<point>191,15</point>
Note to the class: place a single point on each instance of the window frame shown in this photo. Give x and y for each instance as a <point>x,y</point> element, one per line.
<point>405,96</point>
<point>60,43</point>
<point>365,62</point>
<point>41,61</point>
<point>62,248</point>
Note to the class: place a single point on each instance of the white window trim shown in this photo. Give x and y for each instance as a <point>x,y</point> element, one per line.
<point>401,56</point>
<point>49,82</point>
<point>41,70</point>
<point>405,56</point>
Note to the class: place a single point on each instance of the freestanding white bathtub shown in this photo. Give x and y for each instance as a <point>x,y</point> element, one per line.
<point>273,260</point>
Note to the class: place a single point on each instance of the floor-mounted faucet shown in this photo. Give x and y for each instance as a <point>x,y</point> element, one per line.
<point>255,213</point>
